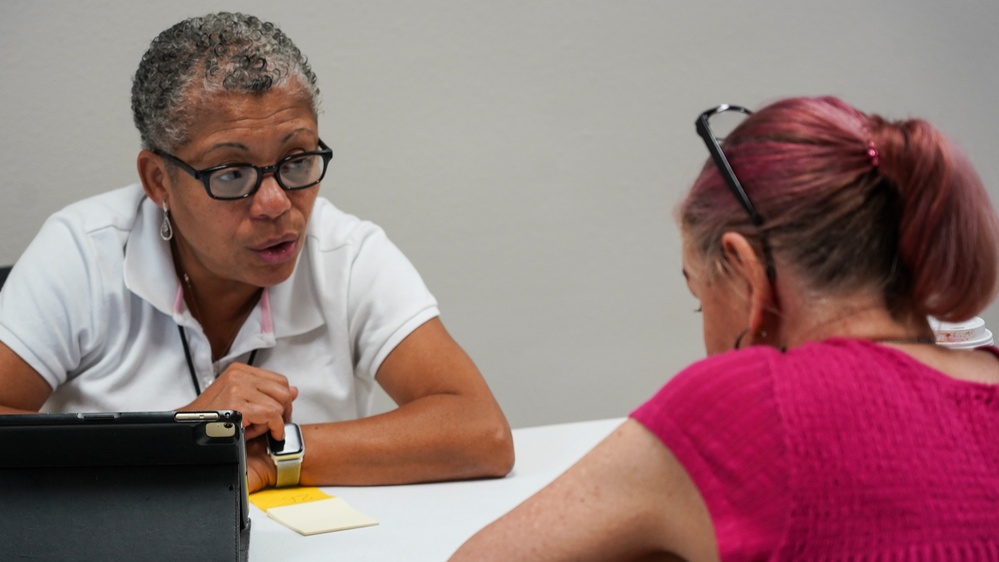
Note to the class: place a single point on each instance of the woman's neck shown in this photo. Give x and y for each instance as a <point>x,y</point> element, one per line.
<point>858,315</point>
<point>220,306</point>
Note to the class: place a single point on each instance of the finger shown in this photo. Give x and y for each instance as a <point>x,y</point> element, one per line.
<point>264,417</point>
<point>272,423</point>
<point>242,370</point>
<point>287,408</point>
<point>254,431</point>
<point>265,382</point>
<point>283,394</point>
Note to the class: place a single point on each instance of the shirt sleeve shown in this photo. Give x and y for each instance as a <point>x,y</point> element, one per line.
<point>47,306</point>
<point>388,300</point>
<point>719,417</point>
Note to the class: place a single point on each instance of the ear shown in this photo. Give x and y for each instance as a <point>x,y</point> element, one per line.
<point>154,177</point>
<point>746,265</point>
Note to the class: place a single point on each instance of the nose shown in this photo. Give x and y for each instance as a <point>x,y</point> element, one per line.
<point>271,200</point>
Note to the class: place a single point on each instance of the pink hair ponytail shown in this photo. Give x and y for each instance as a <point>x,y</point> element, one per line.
<point>948,232</point>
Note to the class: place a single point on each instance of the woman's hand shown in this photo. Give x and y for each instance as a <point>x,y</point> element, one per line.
<point>263,397</point>
<point>260,470</point>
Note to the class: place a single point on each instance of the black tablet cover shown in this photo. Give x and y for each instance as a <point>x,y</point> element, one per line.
<point>123,486</point>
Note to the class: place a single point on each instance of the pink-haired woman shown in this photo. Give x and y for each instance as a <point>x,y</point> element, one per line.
<point>825,424</point>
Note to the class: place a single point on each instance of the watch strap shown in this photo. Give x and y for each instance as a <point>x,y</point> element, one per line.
<point>289,472</point>
<point>289,466</point>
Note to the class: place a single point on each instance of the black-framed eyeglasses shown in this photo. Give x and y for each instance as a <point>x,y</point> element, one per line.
<point>238,181</point>
<point>703,125</point>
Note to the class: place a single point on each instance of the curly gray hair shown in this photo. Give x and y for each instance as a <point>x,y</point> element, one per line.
<point>228,52</point>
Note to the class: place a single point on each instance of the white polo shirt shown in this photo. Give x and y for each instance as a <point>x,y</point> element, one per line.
<point>94,306</point>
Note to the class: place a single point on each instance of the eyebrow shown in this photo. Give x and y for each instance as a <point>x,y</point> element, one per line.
<point>243,147</point>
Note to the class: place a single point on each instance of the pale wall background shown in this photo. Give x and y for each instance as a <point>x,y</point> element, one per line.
<point>526,155</point>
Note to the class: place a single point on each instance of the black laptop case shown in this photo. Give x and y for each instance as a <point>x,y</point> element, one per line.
<point>123,486</point>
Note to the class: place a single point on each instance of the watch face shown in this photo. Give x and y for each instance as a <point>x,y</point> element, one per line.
<point>292,443</point>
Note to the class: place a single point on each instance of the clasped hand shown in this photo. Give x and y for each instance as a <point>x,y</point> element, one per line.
<point>263,397</point>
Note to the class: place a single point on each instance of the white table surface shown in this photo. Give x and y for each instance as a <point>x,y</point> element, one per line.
<point>430,521</point>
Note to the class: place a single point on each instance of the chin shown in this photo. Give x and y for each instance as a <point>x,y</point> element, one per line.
<point>274,275</point>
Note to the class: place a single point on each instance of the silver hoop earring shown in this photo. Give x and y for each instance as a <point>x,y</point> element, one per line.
<point>166,229</point>
<point>763,334</point>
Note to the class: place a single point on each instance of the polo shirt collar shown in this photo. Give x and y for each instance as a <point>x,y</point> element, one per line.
<point>287,309</point>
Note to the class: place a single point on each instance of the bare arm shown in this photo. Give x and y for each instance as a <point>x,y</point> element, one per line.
<point>448,426</point>
<point>627,499</point>
<point>22,389</point>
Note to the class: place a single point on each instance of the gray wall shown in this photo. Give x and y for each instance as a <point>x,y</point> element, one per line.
<point>526,155</point>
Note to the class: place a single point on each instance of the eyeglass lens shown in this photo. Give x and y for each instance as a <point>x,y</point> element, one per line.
<point>292,173</point>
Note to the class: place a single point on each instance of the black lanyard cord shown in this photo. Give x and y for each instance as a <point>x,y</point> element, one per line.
<point>190,362</point>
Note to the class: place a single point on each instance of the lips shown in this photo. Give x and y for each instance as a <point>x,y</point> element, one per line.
<point>278,251</point>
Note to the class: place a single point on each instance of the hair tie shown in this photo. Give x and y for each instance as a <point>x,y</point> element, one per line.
<point>872,153</point>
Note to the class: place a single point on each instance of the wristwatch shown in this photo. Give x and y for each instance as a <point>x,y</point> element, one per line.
<point>287,455</point>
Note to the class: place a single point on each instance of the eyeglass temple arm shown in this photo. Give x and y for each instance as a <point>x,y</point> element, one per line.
<point>726,169</point>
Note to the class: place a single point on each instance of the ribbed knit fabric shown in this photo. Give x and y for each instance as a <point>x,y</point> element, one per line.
<point>842,450</point>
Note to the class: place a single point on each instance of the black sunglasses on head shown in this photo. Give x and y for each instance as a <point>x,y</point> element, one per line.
<point>703,125</point>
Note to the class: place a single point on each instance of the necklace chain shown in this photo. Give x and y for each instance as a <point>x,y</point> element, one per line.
<point>919,340</point>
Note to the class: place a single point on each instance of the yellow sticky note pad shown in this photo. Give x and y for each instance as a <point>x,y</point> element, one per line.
<point>277,497</point>
<point>309,510</point>
<point>322,516</point>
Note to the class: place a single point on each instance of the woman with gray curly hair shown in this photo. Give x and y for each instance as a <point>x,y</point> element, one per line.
<point>223,281</point>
